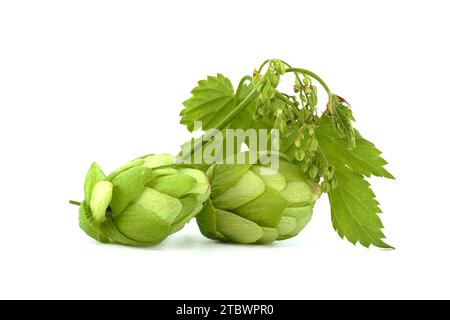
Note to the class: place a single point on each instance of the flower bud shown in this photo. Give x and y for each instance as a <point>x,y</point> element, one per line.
<point>300,154</point>
<point>325,186</point>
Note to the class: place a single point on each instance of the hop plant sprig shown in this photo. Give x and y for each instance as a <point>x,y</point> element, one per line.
<point>324,146</point>
<point>153,197</point>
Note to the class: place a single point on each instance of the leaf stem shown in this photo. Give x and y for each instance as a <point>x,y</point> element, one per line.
<point>241,83</point>
<point>263,64</point>
<point>75,203</point>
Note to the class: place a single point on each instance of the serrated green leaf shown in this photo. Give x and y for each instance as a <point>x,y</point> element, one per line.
<point>245,119</point>
<point>211,101</point>
<point>354,209</point>
<point>363,158</point>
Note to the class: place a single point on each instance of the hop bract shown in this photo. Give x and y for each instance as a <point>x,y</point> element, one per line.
<point>255,204</point>
<point>143,202</point>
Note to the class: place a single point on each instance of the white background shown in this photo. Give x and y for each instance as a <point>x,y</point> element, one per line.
<point>84,81</point>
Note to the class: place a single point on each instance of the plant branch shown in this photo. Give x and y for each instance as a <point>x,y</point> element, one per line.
<point>241,83</point>
<point>311,74</point>
<point>75,203</point>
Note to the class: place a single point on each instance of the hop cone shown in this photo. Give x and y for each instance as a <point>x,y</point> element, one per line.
<point>255,204</point>
<point>143,202</point>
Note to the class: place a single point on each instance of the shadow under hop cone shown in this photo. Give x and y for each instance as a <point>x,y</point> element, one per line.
<point>143,202</point>
<point>256,204</point>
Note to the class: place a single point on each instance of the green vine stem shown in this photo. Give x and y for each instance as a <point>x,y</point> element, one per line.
<point>75,203</point>
<point>312,75</point>
<point>266,62</point>
<point>241,83</point>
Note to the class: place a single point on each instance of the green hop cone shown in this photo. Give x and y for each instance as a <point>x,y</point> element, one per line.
<point>143,202</point>
<point>255,204</point>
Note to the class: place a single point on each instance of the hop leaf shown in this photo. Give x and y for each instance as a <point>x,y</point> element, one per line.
<point>211,101</point>
<point>363,158</point>
<point>354,209</point>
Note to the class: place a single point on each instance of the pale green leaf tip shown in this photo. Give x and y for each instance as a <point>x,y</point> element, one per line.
<point>384,246</point>
<point>388,175</point>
